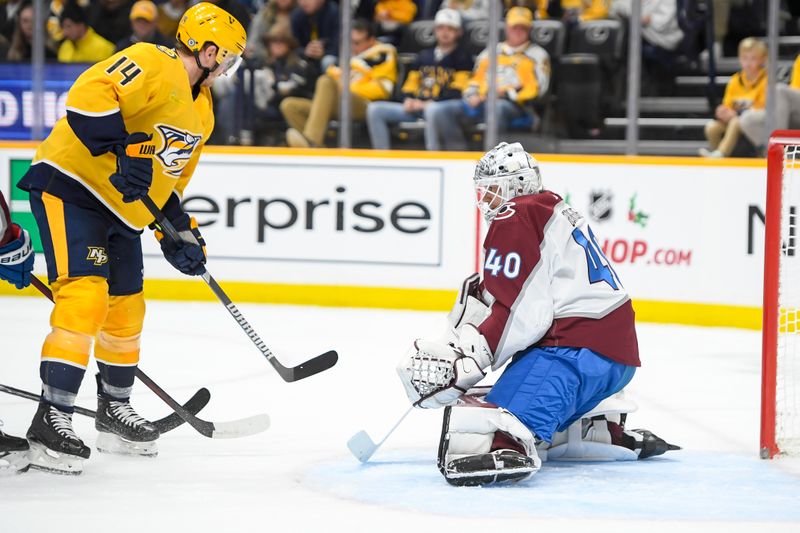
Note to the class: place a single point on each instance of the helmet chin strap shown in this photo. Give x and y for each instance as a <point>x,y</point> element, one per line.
<point>203,76</point>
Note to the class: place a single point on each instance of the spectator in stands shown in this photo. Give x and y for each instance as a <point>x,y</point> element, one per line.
<point>787,112</point>
<point>390,16</point>
<point>438,73</point>
<point>272,13</point>
<point>373,73</point>
<point>81,43</point>
<point>109,18</point>
<point>661,38</point>
<point>8,14</point>
<point>469,10</point>
<point>287,74</point>
<point>21,44</point>
<point>523,74</point>
<point>169,15</point>
<point>747,89</point>
<point>572,11</point>
<point>315,25</point>
<point>144,21</point>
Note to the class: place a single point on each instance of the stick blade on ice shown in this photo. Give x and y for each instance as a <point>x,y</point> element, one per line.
<point>361,446</point>
<point>241,428</point>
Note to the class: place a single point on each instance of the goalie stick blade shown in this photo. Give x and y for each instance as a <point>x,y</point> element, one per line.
<point>195,404</point>
<point>313,366</point>
<point>361,446</point>
<point>241,428</point>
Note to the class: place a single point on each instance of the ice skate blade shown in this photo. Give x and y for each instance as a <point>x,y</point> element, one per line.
<point>44,459</point>
<point>15,462</point>
<point>111,443</point>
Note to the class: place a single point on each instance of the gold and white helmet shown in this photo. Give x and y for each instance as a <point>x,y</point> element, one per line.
<point>505,172</point>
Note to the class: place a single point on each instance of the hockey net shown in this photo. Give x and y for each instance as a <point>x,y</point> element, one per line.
<point>780,377</point>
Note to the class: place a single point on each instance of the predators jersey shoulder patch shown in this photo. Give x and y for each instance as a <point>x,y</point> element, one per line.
<point>178,146</point>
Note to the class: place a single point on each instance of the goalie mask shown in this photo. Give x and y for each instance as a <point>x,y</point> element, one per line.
<point>503,173</point>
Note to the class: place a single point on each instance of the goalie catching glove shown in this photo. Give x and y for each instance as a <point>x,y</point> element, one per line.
<point>436,374</point>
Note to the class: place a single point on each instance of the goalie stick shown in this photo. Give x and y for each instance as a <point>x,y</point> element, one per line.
<point>168,423</point>
<point>215,430</point>
<point>313,366</point>
<point>363,447</point>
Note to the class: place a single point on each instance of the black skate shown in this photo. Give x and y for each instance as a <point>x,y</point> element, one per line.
<point>122,430</point>
<point>646,444</point>
<point>486,468</point>
<point>13,454</point>
<point>54,446</point>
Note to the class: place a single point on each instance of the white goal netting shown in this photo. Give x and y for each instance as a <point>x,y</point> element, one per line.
<point>787,371</point>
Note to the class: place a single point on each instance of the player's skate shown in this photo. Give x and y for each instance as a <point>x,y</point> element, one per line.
<point>482,445</point>
<point>121,429</point>
<point>54,446</point>
<point>13,454</point>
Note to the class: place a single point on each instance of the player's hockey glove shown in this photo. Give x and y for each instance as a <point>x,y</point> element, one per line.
<point>16,258</point>
<point>134,167</point>
<point>188,255</point>
<point>436,374</point>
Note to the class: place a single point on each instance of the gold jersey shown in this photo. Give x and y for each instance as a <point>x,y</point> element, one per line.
<point>148,87</point>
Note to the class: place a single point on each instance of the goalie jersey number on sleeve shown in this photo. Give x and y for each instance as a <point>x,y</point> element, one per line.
<point>508,265</point>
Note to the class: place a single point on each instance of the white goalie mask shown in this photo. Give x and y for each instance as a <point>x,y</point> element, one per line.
<point>503,173</point>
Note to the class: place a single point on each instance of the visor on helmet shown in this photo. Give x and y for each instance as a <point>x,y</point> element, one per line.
<point>229,65</point>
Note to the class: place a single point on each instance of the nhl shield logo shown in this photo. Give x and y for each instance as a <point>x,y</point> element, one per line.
<point>601,205</point>
<point>178,146</point>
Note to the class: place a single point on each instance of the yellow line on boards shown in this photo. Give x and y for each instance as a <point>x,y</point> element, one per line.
<point>454,156</point>
<point>412,299</point>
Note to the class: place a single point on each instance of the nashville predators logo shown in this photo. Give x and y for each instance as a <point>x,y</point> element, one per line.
<point>98,255</point>
<point>178,146</point>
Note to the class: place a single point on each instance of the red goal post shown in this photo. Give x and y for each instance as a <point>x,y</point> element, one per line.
<point>780,365</point>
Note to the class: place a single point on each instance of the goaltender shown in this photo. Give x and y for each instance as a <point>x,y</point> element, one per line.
<point>135,126</point>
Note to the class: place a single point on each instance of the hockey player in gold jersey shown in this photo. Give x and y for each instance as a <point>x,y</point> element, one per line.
<point>135,126</point>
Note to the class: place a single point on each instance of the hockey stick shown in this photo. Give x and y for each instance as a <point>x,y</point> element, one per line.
<point>309,368</point>
<point>363,447</point>
<point>168,423</point>
<point>216,430</point>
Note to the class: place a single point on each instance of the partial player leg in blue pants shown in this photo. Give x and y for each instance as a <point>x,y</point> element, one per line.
<point>547,388</point>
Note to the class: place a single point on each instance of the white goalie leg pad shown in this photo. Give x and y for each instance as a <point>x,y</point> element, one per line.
<point>110,443</point>
<point>465,451</point>
<point>43,458</point>
<point>589,439</point>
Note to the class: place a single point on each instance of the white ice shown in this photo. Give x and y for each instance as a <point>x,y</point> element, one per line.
<point>698,388</point>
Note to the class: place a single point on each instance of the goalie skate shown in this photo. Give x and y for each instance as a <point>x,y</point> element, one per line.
<point>486,468</point>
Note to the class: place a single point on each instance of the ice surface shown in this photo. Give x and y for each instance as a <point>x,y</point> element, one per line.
<point>699,388</point>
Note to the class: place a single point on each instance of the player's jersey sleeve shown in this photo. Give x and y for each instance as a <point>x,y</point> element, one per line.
<point>94,103</point>
<point>516,278</point>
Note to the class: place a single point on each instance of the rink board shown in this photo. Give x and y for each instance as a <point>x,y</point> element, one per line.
<point>399,229</point>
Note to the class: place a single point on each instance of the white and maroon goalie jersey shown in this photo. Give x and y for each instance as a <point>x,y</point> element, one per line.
<point>547,283</point>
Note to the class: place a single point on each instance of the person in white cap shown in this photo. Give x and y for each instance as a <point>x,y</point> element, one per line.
<point>438,73</point>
